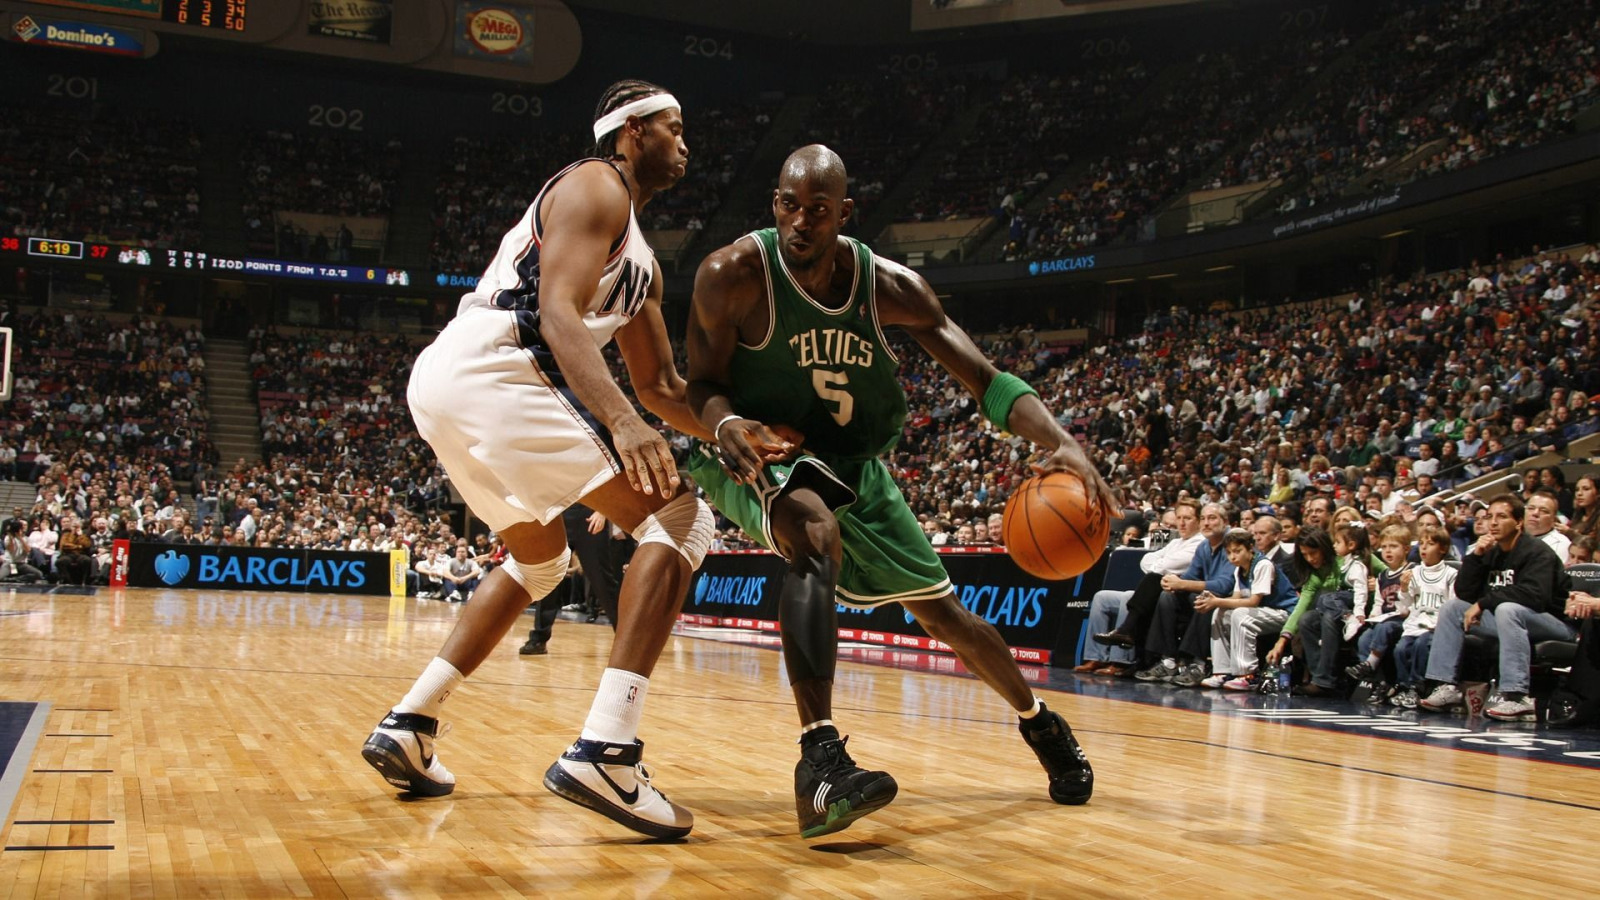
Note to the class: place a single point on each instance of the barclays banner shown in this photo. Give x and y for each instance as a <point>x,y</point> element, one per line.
<point>1041,621</point>
<point>259,569</point>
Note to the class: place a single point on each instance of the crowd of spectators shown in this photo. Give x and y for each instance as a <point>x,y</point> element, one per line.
<point>333,408</point>
<point>1181,134</point>
<point>486,188</point>
<point>490,181</point>
<point>102,395</point>
<point>1457,83</point>
<point>1392,395</point>
<point>1351,602</point>
<point>1023,134</point>
<point>879,124</point>
<point>80,507</point>
<point>335,175</point>
<point>1436,88</point>
<point>129,180</point>
<point>721,140</point>
<point>283,503</point>
<point>106,423</point>
<point>1379,398</point>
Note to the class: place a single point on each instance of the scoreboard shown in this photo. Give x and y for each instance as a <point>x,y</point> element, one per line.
<point>226,15</point>
<point>197,262</point>
<point>63,249</point>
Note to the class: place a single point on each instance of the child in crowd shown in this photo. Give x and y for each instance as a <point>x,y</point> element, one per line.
<point>1314,555</point>
<point>1424,590</point>
<point>1261,599</point>
<point>1354,548</point>
<point>1581,551</point>
<point>1385,616</point>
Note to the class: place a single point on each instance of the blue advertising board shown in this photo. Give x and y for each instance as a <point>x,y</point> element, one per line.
<point>1039,620</point>
<point>44,31</point>
<point>257,568</point>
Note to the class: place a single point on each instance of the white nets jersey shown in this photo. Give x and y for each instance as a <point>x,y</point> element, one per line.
<point>512,279</point>
<point>488,396</point>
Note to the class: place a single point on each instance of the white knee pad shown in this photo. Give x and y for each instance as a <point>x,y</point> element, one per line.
<point>539,579</point>
<point>685,524</point>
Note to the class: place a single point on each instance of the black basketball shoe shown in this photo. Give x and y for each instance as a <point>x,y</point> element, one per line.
<point>831,791</point>
<point>401,748</point>
<point>1071,778</point>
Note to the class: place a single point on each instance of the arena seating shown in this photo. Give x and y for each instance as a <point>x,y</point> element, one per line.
<point>1248,391</point>
<point>486,188</point>
<point>121,179</point>
<point>1372,114</point>
<point>1306,387</point>
<point>105,392</point>
<point>333,408</point>
<point>491,181</point>
<point>107,422</point>
<point>323,174</point>
<point>1180,137</point>
<point>1444,87</point>
<point>879,124</point>
<point>1026,131</point>
<point>720,140</point>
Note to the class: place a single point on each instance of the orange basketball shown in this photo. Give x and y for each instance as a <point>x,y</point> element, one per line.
<point>1053,528</point>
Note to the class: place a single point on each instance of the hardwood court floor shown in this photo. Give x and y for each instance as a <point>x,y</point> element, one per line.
<point>218,735</point>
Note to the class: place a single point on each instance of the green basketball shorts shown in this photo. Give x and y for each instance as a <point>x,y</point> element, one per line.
<point>887,559</point>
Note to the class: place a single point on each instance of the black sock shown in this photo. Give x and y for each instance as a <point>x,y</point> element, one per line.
<point>1512,695</point>
<point>818,735</point>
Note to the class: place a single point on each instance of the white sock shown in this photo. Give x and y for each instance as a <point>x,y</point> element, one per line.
<point>1170,662</point>
<point>618,704</point>
<point>820,723</point>
<point>432,688</point>
<point>1034,710</point>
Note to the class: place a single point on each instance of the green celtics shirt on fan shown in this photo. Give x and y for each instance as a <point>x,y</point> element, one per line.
<point>827,373</point>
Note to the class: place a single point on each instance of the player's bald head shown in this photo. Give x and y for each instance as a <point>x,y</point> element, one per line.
<point>816,166</point>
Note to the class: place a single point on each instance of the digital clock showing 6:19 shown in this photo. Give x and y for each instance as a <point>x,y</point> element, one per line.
<point>56,248</point>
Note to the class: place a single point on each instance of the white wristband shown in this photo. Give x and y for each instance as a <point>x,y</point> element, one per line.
<point>717,431</point>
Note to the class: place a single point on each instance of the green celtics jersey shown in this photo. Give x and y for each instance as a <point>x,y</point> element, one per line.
<point>827,372</point>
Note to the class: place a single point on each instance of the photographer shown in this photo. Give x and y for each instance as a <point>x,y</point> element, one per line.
<point>15,566</point>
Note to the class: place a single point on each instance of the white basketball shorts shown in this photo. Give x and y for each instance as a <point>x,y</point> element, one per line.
<point>517,446</point>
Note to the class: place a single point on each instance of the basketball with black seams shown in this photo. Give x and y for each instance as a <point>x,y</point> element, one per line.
<point>1054,528</point>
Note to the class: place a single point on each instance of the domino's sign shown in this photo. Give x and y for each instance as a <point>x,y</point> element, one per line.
<point>259,568</point>
<point>91,36</point>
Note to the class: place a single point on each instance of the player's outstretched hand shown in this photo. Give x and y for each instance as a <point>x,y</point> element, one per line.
<point>646,458</point>
<point>747,445</point>
<point>1069,457</point>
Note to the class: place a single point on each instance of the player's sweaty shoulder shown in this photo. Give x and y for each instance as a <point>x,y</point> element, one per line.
<point>593,188</point>
<point>730,280</point>
<point>904,297</point>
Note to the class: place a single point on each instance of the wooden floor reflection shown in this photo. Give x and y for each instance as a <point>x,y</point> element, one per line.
<point>211,741</point>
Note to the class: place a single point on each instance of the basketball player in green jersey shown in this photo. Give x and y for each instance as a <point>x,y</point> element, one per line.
<point>787,333</point>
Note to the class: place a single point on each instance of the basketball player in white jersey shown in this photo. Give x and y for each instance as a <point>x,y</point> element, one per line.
<point>518,404</point>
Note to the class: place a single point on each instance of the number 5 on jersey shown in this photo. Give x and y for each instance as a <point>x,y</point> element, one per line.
<point>824,382</point>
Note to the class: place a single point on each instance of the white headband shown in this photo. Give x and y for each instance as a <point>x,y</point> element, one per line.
<point>644,106</point>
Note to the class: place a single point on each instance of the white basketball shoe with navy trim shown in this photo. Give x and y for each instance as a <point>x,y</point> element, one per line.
<point>610,779</point>
<point>401,748</point>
